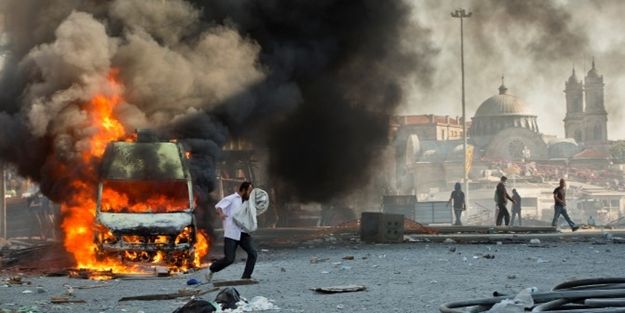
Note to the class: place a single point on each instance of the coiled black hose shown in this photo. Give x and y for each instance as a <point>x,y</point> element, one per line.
<point>605,295</point>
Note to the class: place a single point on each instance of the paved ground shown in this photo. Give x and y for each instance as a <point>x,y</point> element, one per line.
<point>410,277</point>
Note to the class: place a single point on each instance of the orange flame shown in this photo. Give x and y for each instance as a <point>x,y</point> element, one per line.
<point>80,211</point>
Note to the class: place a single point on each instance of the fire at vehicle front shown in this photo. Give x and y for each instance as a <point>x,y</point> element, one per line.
<point>145,205</point>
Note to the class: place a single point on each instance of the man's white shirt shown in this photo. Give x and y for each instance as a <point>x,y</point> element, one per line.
<point>229,206</point>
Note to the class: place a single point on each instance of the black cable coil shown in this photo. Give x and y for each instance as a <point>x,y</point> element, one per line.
<point>605,295</point>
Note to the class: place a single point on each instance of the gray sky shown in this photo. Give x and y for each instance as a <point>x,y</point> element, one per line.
<point>534,43</point>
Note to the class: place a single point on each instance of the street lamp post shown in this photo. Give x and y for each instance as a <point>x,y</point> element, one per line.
<point>462,14</point>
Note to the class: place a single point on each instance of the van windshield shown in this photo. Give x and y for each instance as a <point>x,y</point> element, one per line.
<point>144,196</point>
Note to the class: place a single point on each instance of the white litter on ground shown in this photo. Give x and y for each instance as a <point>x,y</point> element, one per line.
<point>255,304</point>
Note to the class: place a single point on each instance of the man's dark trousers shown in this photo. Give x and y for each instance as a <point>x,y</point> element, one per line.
<point>230,248</point>
<point>561,210</point>
<point>503,214</point>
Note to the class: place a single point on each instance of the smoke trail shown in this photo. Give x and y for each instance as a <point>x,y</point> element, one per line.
<point>313,81</point>
<point>349,61</point>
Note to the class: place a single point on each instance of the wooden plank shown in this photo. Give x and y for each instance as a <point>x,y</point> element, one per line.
<point>238,282</point>
<point>340,289</point>
<point>65,299</point>
<point>169,296</point>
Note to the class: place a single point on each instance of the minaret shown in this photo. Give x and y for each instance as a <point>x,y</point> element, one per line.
<point>573,121</point>
<point>595,115</point>
<point>502,89</point>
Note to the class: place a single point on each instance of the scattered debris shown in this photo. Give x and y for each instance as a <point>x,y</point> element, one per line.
<point>315,260</point>
<point>449,241</point>
<point>27,291</point>
<point>228,298</point>
<point>349,257</point>
<point>534,241</point>
<point>511,276</point>
<point>283,270</point>
<point>452,249</point>
<point>65,299</point>
<point>40,289</point>
<point>84,273</point>
<point>193,281</point>
<point>340,289</point>
<point>182,293</point>
<point>489,256</point>
<point>237,282</point>
<point>16,280</point>
<point>197,305</point>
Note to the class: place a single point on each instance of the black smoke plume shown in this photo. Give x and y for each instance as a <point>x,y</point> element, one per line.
<point>313,81</point>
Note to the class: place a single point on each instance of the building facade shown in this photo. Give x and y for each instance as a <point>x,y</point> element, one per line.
<point>586,118</point>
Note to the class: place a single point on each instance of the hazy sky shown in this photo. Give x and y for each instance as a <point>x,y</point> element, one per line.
<point>534,43</point>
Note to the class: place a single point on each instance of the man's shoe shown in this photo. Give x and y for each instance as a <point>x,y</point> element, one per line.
<point>209,276</point>
<point>574,228</point>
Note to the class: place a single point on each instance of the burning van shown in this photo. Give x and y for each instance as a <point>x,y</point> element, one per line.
<point>145,203</point>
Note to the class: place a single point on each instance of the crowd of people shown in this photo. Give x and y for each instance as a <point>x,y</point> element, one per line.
<point>501,199</point>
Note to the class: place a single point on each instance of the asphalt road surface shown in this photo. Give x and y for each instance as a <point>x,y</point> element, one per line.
<point>409,277</point>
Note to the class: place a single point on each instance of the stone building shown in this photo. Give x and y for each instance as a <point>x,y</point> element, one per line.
<point>504,128</point>
<point>586,119</point>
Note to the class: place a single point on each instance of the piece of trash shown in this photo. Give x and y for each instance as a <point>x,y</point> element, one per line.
<point>522,301</point>
<point>228,298</point>
<point>349,257</point>
<point>464,258</point>
<point>264,250</point>
<point>489,256</point>
<point>535,241</point>
<point>257,303</point>
<point>511,276</point>
<point>340,306</point>
<point>40,289</point>
<point>452,249</point>
<point>315,259</point>
<point>337,263</point>
<point>499,243</point>
<point>340,289</point>
<point>449,241</point>
<point>197,305</point>
<point>345,268</point>
<point>65,299</point>
<point>325,272</point>
<point>27,291</point>
<point>192,281</point>
<point>282,269</point>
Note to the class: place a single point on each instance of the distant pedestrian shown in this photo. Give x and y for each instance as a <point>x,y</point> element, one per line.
<point>516,207</point>
<point>459,205</point>
<point>591,221</point>
<point>559,196</point>
<point>501,198</point>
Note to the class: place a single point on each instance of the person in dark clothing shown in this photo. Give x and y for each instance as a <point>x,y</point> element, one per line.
<point>516,207</point>
<point>458,198</point>
<point>559,196</point>
<point>501,198</point>
<point>234,236</point>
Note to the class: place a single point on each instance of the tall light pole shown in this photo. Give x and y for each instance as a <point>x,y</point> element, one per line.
<point>3,203</point>
<point>462,14</point>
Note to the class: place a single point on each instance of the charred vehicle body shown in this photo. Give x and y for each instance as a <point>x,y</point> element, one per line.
<point>145,203</point>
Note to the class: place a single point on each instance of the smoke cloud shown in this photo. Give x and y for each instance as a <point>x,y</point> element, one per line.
<point>312,82</point>
<point>534,44</point>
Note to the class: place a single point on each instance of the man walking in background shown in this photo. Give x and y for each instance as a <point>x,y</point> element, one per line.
<point>559,196</point>
<point>516,207</point>
<point>233,234</point>
<point>501,198</point>
<point>458,197</point>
